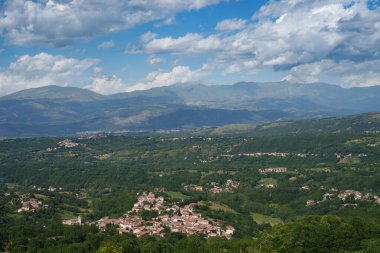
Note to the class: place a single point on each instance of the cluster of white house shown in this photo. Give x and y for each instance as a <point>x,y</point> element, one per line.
<point>345,196</point>
<point>29,204</point>
<point>274,170</point>
<point>68,144</point>
<point>275,154</point>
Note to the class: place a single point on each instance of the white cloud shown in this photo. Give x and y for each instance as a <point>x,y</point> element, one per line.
<point>168,21</point>
<point>107,85</point>
<point>179,74</point>
<point>306,73</point>
<point>155,60</point>
<point>284,35</point>
<point>107,44</point>
<point>234,68</point>
<point>45,69</point>
<point>349,73</point>
<point>60,23</point>
<point>190,43</point>
<point>41,70</point>
<point>97,70</point>
<point>228,25</point>
<point>148,36</point>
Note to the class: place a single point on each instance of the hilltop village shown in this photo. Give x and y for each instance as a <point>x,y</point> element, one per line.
<point>170,218</point>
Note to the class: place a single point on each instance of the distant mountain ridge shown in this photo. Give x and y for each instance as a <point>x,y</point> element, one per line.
<point>54,110</point>
<point>55,92</point>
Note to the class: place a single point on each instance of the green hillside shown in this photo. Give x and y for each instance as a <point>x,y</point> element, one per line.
<point>369,122</point>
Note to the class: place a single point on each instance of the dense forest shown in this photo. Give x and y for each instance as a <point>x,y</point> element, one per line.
<point>292,193</point>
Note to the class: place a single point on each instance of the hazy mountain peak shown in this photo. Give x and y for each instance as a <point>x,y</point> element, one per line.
<point>55,92</point>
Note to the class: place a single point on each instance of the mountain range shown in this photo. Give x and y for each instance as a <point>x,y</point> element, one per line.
<point>55,110</point>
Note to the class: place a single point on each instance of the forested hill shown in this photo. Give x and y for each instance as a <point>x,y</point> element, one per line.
<point>363,123</point>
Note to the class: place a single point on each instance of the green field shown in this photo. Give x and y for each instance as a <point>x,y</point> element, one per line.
<point>41,196</point>
<point>177,195</point>
<point>217,206</point>
<point>350,160</point>
<point>11,185</point>
<point>66,215</point>
<point>266,181</point>
<point>261,219</point>
<point>217,172</point>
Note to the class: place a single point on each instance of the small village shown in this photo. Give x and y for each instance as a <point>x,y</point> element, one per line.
<point>29,203</point>
<point>348,197</point>
<point>215,188</point>
<point>67,143</point>
<point>273,170</point>
<point>40,197</point>
<point>274,154</point>
<point>170,218</point>
<point>266,154</point>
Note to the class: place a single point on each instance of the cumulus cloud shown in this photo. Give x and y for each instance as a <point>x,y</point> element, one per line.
<point>228,25</point>
<point>107,84</point>
<point>60,23</point>
<point>179,74</point>
<point>350,74</point>
<point>107,44</point>
<point>188,44</point>
<point>41,70</point>
<point>285,35</point>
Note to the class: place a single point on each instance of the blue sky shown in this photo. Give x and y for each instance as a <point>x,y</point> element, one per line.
<point>125,45</point>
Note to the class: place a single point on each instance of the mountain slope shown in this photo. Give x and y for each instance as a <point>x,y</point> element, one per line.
<point>54,110</point>
<point>369,122</point>
<point>55,92</point>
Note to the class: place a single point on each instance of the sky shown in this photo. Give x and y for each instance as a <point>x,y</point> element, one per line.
<point>125,45</point>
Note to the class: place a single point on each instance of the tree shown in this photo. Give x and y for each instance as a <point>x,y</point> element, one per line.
<point>110,247</point>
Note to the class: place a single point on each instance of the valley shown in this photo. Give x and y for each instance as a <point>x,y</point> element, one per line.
<point>241,186</point>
